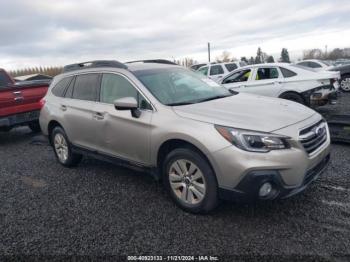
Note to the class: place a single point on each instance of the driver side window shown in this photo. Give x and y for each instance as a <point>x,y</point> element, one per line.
<point>114,87</point>
<point>240,76</point>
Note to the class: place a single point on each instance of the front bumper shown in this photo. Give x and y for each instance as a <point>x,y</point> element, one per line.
<point>248,188</point>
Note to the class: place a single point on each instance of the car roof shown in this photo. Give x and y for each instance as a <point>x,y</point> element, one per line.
<point>264,65</point>
<point>310,60</point>
<point>129,66</point>
<point>138,66</point>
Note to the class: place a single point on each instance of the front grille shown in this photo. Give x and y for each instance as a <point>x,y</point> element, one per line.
<point>313,136</point>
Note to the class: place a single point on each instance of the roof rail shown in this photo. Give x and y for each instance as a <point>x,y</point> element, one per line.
<point>94,64</point>
<point>157,61</point>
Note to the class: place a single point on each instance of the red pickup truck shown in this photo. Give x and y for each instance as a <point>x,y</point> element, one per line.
<point>20,103</point>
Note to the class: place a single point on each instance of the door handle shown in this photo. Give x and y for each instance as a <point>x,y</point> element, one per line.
<point>19,98</point>
<point>63,108</point>
<point>98,116</point>
<point>17,92</point>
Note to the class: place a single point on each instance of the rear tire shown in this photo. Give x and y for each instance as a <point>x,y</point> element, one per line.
<point>190,181</point>
<point>63,148</point>
<point>293,97</point>
<point>35,126</point>
<point>345,83</point>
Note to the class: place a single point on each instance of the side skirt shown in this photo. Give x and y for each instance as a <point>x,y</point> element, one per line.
<point>151,170</point>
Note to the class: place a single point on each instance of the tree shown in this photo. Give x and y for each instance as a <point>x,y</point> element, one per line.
<point>284,56</point>
<point>270,59</point>
<point>224,57</point>
<point>313,54</point>
<point>186,62</point>
<point>251,61</point>
<point>259,56</point>
<point>244,59</point>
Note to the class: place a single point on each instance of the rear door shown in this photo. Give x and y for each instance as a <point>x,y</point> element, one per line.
<point>78,110</point>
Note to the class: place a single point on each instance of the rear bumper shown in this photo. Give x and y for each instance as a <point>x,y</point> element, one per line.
<point>321,95</point>
<point>248,189</point>
<point>319,99</point>
<point>19,119</point>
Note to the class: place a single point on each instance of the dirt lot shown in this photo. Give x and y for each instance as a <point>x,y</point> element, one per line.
<point>101,209</point>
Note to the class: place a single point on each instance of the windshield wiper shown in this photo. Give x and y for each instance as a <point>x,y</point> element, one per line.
<point>212,98</point>
<point>180,104</point>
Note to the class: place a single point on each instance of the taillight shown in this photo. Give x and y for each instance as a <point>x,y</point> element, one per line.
<point>42,102</point>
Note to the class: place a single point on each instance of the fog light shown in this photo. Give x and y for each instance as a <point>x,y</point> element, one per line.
<point>265,189</point>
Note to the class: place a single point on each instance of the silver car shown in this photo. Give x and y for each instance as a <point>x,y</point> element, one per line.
<point>205,142</point>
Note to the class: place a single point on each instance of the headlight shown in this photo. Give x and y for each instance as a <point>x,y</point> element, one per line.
<point>253,141</point>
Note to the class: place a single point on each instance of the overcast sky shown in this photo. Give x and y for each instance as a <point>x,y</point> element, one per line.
<point>44,32</point>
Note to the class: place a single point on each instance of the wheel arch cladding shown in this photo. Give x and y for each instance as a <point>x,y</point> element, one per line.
<point>171,144</point>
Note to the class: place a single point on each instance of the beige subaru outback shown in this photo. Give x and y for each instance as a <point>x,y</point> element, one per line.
<point>205,142</point>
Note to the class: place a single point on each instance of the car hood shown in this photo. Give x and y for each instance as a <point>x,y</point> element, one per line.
<point>246,111</point>
<point>342,68</point>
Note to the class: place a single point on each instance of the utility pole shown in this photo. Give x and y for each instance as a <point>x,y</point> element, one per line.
<point>326,51</point>
<point>209,52</point>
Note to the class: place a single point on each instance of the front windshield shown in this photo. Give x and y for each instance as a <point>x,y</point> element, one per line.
<point>177,86</point>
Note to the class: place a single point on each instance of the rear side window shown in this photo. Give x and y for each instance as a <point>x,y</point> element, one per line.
<point>304,64</point>
<point>231,67</point>
<point>4,79</point>
<point>266,73</point>
<point>287,73</point>
<point>60,87</point>
<point>69,92</point>
<point>216,70</point>
<point>86,87</point>
<point>314,65</point>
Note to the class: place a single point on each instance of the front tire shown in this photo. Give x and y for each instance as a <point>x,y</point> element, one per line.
<point>293,97</point>
<point>190,181</point>
<point>63,148</point>
<point>345,83</point>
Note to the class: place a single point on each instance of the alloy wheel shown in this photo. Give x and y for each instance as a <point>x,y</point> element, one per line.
<point>345,84</point>
<point>61,147</point>
<point>187,181</point>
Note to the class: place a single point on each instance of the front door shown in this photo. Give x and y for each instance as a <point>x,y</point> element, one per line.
<point>123,135</point>
<point>266,81</point>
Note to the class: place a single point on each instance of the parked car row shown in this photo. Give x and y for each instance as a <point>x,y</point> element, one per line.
<point>204,141</point>
<point>218,70</point>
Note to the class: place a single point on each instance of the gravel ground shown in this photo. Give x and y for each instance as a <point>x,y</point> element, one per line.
<point>101,209</point>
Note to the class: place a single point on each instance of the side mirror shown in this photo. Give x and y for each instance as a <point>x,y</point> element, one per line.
<point>128,103</point>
